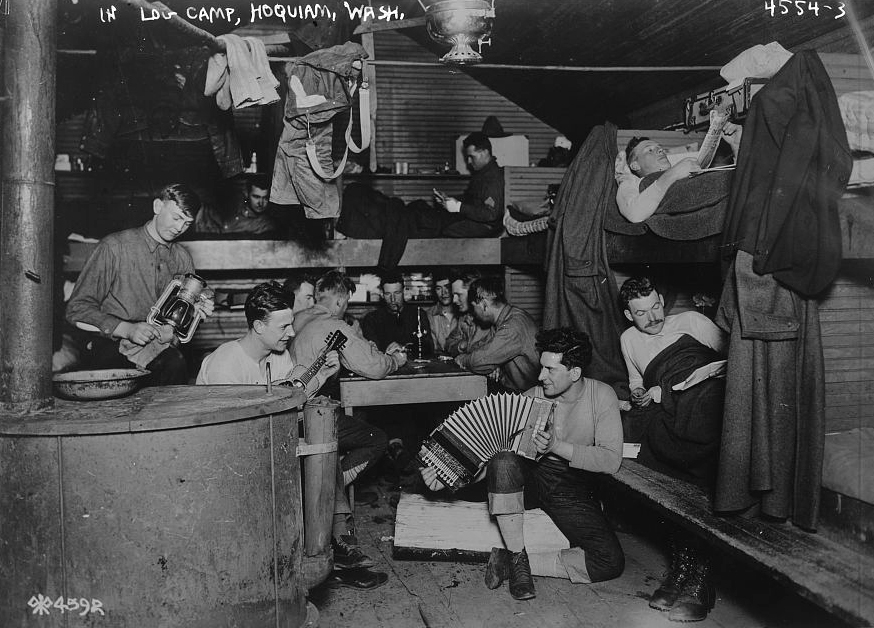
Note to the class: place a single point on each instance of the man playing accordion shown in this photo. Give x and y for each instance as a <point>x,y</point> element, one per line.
<point>585,439</point>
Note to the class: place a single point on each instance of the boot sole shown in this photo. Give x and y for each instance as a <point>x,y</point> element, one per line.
<point>524,596</point>
<point>661,607</point>
<point>367,564</point>
<point>378,582</point>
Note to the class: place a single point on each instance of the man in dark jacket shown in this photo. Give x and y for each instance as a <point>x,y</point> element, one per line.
<point>480,210</point>
<point>393,326</point>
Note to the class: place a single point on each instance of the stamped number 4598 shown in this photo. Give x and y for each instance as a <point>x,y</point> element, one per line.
<point>43,605</point>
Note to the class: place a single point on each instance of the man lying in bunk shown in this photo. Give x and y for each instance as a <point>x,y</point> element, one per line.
<point>264,349</point>
<point>674,367</point>
<point>584,440</point>
<point>644,172</point>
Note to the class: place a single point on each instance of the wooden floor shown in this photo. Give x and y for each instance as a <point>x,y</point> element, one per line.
<point>451,594</point>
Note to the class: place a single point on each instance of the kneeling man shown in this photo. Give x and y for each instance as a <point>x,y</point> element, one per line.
<point>584,440</point>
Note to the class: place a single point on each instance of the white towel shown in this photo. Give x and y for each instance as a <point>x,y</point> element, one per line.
<point>266,80</point>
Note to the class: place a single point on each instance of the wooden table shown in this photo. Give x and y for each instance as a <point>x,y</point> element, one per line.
<point>415,382</point>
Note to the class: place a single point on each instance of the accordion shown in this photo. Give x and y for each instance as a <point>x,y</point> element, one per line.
<point>459,447</point>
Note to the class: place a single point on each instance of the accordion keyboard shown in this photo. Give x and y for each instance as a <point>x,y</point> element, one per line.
<point>471,435</point>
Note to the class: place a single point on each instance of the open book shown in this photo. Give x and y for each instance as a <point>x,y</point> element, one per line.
<point>714,369</point>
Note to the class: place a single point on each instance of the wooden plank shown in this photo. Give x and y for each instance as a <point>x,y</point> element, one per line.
<point>621,249</point>
<point>232,255</point>
<point>440,527</point>
<point>830,575</point>
<point>394,391</point>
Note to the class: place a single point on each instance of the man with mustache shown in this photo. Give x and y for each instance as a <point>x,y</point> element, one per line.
<point>678,430</point>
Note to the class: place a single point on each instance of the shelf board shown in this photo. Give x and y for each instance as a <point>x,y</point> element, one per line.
<point>236,255</point>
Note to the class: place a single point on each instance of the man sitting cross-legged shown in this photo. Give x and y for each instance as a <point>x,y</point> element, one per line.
<point>584,440</point>
<point>244,361</point>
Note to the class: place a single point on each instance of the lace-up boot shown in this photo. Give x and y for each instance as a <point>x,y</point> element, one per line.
<point>498,568</point>
<point>698,595</point>
<point>680,569</point>
<point>521,582</point>
<point>347,554</point>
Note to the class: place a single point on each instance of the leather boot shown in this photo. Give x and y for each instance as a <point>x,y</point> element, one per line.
<point>680,569</point>
<point>498,568</point>
<point>698,594</point>
<point>521,582</point>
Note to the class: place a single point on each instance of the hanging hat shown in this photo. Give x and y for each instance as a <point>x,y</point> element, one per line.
<point>493,128</point>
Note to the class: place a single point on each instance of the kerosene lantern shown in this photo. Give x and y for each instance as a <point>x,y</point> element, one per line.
<point>177,306</point>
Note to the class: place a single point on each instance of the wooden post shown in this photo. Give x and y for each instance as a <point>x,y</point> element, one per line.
<point>370,76</point>
<point>320,485</point>
<point>27,206</point>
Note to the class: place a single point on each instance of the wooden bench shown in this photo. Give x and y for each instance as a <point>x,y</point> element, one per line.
<point>833,576</point>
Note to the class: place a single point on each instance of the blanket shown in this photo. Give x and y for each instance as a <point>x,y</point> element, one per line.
<point>680,436</point>
<point>691,209</point>
<point>370,214</point>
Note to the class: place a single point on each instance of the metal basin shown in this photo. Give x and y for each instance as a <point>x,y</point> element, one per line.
<point>99,384</point>
<point>460,24</point>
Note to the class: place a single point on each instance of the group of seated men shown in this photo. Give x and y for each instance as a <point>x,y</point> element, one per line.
<point>473,323</point>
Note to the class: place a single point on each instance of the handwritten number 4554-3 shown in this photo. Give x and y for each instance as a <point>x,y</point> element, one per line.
<point>43,605</point>
<point>802,8</point>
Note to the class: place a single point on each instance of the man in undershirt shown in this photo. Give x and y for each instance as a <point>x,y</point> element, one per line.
<point>679,430</point>
<point>244,361</point>
<point>643,157</point>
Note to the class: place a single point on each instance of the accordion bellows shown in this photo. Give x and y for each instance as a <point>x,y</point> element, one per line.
<point>470,436</point>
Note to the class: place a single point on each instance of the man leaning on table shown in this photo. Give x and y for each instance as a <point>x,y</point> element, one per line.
<point>507,353</point>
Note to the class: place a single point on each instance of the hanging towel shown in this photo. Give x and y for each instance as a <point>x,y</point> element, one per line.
<point>266,80</point>
<point>242,76</point>
<point>217,83</point>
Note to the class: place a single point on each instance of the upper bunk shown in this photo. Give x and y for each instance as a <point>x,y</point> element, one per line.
<point>522,185</point>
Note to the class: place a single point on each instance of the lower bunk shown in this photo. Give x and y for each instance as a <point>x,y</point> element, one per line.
<point>833,575</point>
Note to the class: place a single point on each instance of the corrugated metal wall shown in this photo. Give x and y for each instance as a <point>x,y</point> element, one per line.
<point>529,185</point>
<point>422,110</point>
<point>524,287</point>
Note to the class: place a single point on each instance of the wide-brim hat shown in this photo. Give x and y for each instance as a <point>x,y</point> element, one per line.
<point>492,128</point>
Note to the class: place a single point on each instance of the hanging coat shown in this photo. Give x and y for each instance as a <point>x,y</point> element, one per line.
<point>318,89</point>
<point>581,290</point>
<point>793,165</point>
